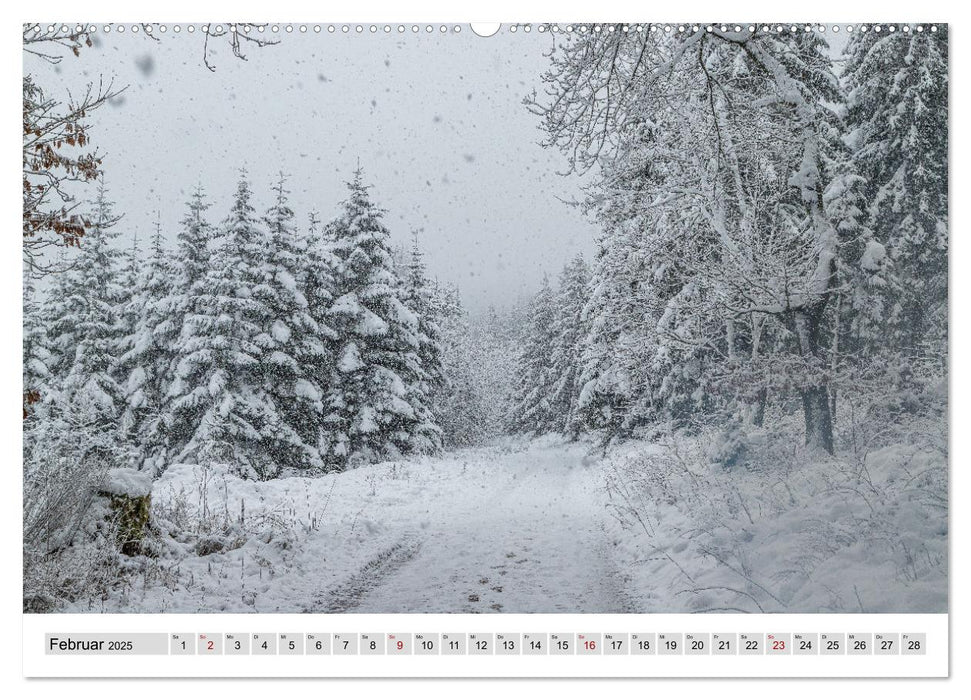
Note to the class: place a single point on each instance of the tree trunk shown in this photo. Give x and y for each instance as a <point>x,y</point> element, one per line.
<point>804,323</point>
<point>758,417</point>
<point>834,356</point>
<point>819,419</point>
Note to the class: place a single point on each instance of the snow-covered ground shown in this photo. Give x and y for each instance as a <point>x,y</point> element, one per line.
<point>516,527</point>
<point>545,526</point>
<point>800,532</point>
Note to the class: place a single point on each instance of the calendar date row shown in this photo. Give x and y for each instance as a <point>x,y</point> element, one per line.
<point>489,643</point>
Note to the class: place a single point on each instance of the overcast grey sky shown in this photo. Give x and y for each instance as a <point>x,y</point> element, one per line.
<point>436,120</point>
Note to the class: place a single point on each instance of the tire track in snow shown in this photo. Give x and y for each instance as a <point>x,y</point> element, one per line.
<point>351,592</point>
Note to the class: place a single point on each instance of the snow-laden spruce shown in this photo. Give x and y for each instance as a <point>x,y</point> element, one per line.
<point>549,367</point>
<point>83,313</point>
<point>373,408</point>
<point>220,387</point>
<point>531,408</point>
<point>316,279</point>
<point>36,350</point>
<point>145,354</point>
<point>457,399</point>
<point>568,329</point>
<point>183,404</point>
<point>291,344</point>
<point>429,383</point>
<point>897,125</point>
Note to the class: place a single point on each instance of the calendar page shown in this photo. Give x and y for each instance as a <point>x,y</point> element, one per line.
<point>489,350</point>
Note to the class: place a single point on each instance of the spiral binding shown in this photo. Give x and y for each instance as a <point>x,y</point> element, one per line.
<point>64,30</point>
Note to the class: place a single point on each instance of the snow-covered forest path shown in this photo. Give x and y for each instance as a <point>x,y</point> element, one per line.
<point>515,526</point>
<point>528,539</point>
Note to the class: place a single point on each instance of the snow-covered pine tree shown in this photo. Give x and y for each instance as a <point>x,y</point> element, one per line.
<point>531,404</point>
<point>896,115</point>
<point>429,384</point>
<point>370,412</point>
<point>146,357</point>
<point>192,259</point>
<point>129,283</point>
<point>219,404</point>
<point>84,324</point>
<point>491,342</point>
<point>647,356</point>
<point>569,330</point>
<point>187,299</point>
<point>36,351</point>
<point>58,323</point>
<point>317,280</point>
<point>73,440</point>
<point>291,344</point>
<point>457,405</point>
<point>619,347</point>
<point>128,312</point>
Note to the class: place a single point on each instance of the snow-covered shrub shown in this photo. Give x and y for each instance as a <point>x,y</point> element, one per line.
<point>209,508</point>
<point>71,538</point>
<point>902,402</point>
<point>216,536</point>
<point>730,446</point>
<point>794,531</point>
